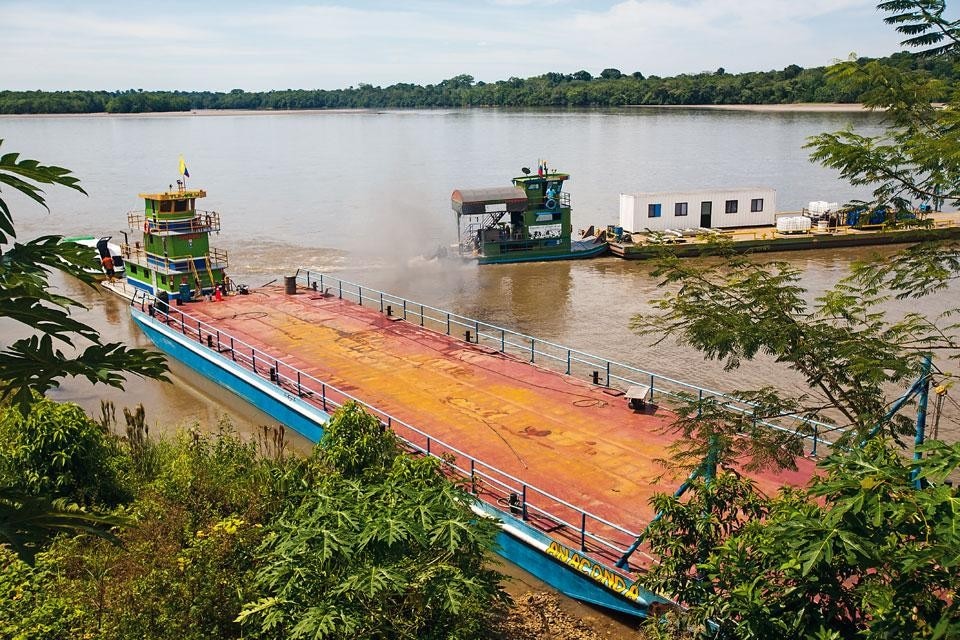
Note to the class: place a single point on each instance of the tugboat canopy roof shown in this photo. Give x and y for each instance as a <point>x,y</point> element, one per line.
<point>468,202</point>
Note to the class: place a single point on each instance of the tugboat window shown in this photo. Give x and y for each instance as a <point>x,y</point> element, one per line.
<point>180,205</point>
<point>756,205</point>
<point>680,209</point>
<point>166,206</point>
<point>731,206</point>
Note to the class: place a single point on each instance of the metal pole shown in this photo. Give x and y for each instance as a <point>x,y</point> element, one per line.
<point>583,531</point>
<point>568,361</point>
<point>404,308</point>
<point>622,562</point>
<point>381,302</point>
<point>921,423</point>
<point>533,351</point>
<point>421,315</point>
<point>448,324</point>
<point>608,373</point>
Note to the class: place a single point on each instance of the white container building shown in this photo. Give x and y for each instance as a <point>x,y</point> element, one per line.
<point>709,208</point>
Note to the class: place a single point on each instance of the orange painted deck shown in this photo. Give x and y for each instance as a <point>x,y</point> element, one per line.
<point>559,434</point>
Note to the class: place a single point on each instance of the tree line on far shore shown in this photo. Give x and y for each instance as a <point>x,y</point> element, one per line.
<point>611,88</point>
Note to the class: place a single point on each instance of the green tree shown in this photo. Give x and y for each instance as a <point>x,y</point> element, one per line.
<point>33,364</point>
<point>388,550</point>
<point>915,158</point>
<point>59,452</point>
<point>869,548</point>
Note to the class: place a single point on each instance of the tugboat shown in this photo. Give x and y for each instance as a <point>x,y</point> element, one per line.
<point>175,259</point>
<point>529,221</point>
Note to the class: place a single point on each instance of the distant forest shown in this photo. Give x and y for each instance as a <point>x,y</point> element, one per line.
<point>581,89</point>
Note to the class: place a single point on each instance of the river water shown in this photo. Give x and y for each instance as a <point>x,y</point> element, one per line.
<point>365,195</point>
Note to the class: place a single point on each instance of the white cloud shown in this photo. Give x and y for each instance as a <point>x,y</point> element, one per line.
<point>262,46</point>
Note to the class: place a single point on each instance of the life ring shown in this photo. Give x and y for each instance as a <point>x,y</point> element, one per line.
<point>146,226</point>
<point>550,203</point>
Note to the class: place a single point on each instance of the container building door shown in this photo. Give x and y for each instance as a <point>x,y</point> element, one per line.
<point>706,211</point>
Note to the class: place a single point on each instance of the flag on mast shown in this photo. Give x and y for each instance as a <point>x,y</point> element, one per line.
<point>183,168</point>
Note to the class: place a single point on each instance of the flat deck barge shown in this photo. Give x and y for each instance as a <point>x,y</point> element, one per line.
<point>568,459</point>
<point>765,239</point>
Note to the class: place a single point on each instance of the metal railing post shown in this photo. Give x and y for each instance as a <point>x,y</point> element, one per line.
<point>651,387</point>
<point>608,373</point>
<point>233,353</point>
<point>568,361</point>
<point>299,387</point>
<point>583,531</point>
<point>340,289</point>
<point>523,505</point>
<point>323,395</point>
<point>421,315</point>
<point>448,324</point>
<point>381,302</point>
<point>533,350</point>
<point>404,308</point>
<point>503,340</point>
<point>473,477</point>
<point>253,359</point>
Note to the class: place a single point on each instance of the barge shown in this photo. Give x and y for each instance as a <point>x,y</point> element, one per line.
<point>565,465</point>
<point>761,239</point>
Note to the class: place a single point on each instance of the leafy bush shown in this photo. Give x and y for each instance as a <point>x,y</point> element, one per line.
<point>57,451</point>
<point>386,550</point>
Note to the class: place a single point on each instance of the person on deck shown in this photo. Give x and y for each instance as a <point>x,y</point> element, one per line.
<point>108,268</point>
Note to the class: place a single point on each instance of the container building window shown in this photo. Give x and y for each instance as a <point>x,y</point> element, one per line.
<point>653,210</point>
<point>731,206</point>
<point>756,205</point>
<point>680,209</point>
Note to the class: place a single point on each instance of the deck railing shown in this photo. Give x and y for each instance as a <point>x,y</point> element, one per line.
<point>564,520</point>
<point>202,221</point>
<point>572,362</point>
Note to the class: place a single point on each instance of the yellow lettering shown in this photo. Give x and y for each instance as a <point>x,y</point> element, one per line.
<point>597,573</point>
<point>620,585</point>
<point>607,578</point>
<point>633,592</point>
<point>585,565</point>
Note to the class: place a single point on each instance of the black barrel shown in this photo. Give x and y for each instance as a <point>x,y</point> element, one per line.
<point>290,285</point>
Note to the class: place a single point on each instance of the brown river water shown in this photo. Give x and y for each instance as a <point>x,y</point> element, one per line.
<point>364,195</point>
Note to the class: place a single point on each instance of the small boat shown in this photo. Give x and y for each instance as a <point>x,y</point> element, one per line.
<point>104,248</point>
<point>528,222</point>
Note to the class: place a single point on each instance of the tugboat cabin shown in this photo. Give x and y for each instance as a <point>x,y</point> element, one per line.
<point>174,259</point>
<point>529,221</point>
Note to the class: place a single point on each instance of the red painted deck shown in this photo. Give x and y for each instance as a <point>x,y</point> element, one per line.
<point>561,435</point>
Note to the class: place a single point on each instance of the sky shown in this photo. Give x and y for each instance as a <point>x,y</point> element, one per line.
<point>240,44</point>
